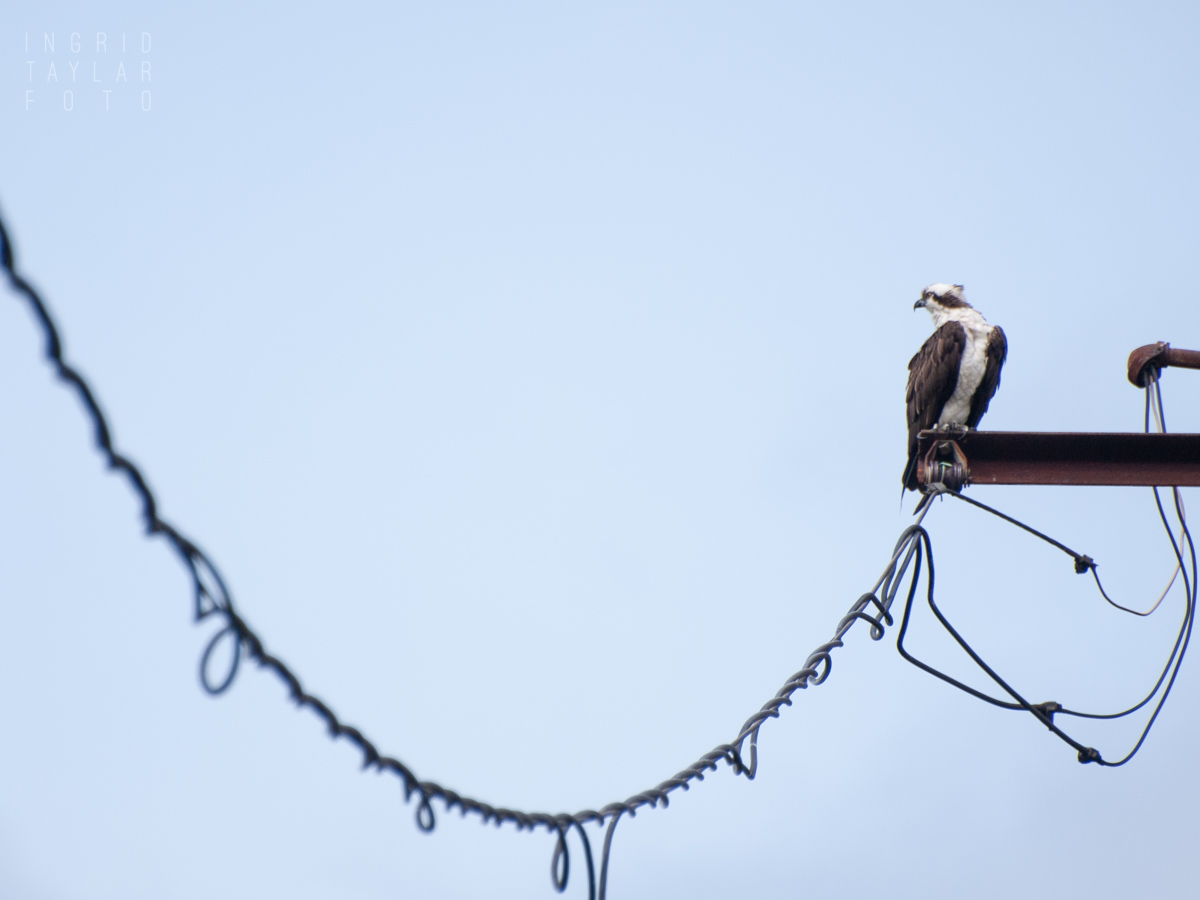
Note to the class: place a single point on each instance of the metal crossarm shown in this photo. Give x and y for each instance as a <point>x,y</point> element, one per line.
<point>1048,457</point>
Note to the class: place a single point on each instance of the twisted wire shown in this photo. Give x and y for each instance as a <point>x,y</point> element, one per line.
<point>212,597</point>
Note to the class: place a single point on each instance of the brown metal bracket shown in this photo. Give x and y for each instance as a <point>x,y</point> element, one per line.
<point>1046,457</point>
<point>1159,356</point>
<point>944,462</point>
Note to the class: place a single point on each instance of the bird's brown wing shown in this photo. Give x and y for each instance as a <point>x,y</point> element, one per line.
<point>932,377</point>
<point>997,351</point>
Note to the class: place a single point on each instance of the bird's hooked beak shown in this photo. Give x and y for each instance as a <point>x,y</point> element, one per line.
<point>920,304</point>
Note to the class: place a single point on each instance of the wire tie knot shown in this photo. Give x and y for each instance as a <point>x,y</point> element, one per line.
<point>1047,710</point>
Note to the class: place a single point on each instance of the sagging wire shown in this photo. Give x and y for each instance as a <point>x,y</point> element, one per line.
<point>212,598</point>
<point>1045,712</point>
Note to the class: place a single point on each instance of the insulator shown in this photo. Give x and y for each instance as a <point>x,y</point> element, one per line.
<point>950,473</point>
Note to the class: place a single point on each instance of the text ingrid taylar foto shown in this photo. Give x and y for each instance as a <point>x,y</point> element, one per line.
<point>116,74</point>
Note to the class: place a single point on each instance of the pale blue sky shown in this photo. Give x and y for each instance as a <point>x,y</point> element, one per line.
<point>535,375</point>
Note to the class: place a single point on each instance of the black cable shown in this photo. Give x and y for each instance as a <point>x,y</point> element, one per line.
<point>212,598</point>
<point>1084,563</point>
<point>1045,712</point>
<point>1189,613</point>
<point>1187,638</point>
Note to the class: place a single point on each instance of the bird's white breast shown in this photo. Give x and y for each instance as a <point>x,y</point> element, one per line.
<point>970,370</point>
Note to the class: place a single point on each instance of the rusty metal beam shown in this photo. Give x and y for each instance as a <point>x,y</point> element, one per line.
<point>1159,356</point>
<point>1047,457</point>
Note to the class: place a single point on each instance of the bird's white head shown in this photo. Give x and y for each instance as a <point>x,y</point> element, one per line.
<point>941,301</point>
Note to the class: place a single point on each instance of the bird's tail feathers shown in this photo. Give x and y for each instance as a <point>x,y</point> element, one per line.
<point>908,479</point>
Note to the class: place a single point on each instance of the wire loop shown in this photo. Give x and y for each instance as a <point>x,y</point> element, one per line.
<point>235,658</point>
<point>426,820</point>
<point>559,876</point>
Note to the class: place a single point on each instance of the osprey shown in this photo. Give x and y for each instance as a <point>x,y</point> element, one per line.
<point>956,372</point>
